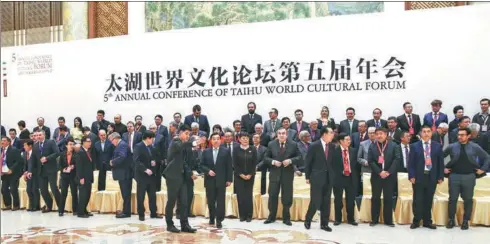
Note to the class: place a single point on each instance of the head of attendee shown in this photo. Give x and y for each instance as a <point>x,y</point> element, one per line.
<point>153,128</point>
<point>256,139</point>
<point>372,133</point>
<point>28,145</point>
<point>314,124</point>
<point>259,128</point>
<point>41,136</point>
<point>196,110</point>
<point>327,134</point>
<point>86,131</point>
<point>36,136</point>
<point>324,113</point>
<point>77,123</point>
<point>464,135</point>
<point>70,146</point>
<point>464,122</point>
<point>344,140</point>
<point>475,129</point>
<point>381,135</point>
<point>32,136</point>
<point>63,131</point>
<point>61,121</point>
<point>100,115</point>
<point>184,132</point>
<point>130,126</point>
<point>237,125</point>
<point>305,137</point>
<point>392,124</point>
<point>218,129</point>
<point>173,127</point>
<point>158,120</point>
<point>102,136</point>
<point>377,114</point>
<point>40,122</point>
<point>273,113</point>
<point>442,129</point>
<point>21,124</point>
<point>408,108</point>
<point>111,128</point>
<point>195,128</point>
<point>215,140</point>
<point>115,138</point>
<point>405,138</point>
<point>117,119</point>
<point>484,104</point>
<point>436,106</point>
<point>426,133</point>
<point>228,138</point>
<point>458,111</point>
<point>244,139</point>
<point>138,119</point>
<point>203,142</point>
<point>177,117</point>
<point>282,135</point>
<point>251,107</point>
<point>285,122</point>
<point>362,127</point>
<point>12,133</point>
<point>298,114</point>
<point>5,142</point>
<point>86,143</point>
<point>350,113</point>
<point>148,137</point>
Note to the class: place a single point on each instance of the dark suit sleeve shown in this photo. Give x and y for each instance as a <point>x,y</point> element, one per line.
<point>242,123</point>
<point>440,162</point>
<point>31,162</point>
<point>411,164</point>
<point>255,158</point>
<point>137,159</point>
<point>396,161</point>
<point>373,161</point>
<point>48,133</point>
<point>80,167</point>
<point>120,155</point>
<point>19,162</point>
<point>229,168</point>
<point>62,163</point>
<point>445,120</point>
<point>4,132</point>
<point>56,151</point>
<point>268,155</point>
<point>203,166</point>
<point>237,166</point>
<point>483,156</point>
<point>178,145</point>
<point>206,127</point>
<point>296,156</point>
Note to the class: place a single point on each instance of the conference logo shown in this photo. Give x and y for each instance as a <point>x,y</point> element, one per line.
<point>33,64</point>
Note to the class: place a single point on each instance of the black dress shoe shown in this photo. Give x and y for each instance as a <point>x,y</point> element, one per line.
<point>414,226</point>
<point>7,208</point>
<point>242,219</point>
<point>307,224</point>
<point>336,223</point>
<point>47,210</point>
<point>188,229</point>
<point>219,225</point>
<point>249,219</point>
<point>60,214</point>
<point>373,223</point>
<point>89,214</point>
<point>29,209</point>
<point>121,216</point>
<point>431,226</point>
<point>15,208</point>
<point>156,217</point>
<point>191,216</point>
<point>268,221</point>
<point>211,221</point>
<point>83,216</point>
<point>326,228</point>
<point>354,223</point>
<point>142,218</point>
<point>465,225</point>
<point>450,224</point>
<point>390,224</point>
<point>287,222</point>
<point>35,209</point>
<point>173,229</point>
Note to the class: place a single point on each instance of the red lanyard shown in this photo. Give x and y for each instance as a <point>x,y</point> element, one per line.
<point>410,121</point>
<point>427,152</point>
<point>379,148</point>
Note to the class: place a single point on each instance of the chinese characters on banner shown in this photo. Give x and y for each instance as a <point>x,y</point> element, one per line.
<point>241,80</point>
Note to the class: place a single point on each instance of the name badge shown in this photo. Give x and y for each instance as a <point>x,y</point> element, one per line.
<point>484,128</point>
<point>411,131</point>
<point>381,159</point>
<point>428,161</point>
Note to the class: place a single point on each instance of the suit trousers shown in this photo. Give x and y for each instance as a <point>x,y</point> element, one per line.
<point>10,190</point>
<point>33,192</point>
<point>216,202</point>
<point>464,185</point>
<point>143,187</point>
<point>125,186</point>
<point>190,197</point>
<point>158,178</point>
<point>52,180</point>
<point>245,196</point>
<point>286,188</point>
<point>72,183</point>
<point>320,196</point>
<point>350,195</point>
<point>387,187</point>
<point>423,196</point>
<point>102,178</point>
<point>263,182</point>
<point>84,191</point>
<point>176,189</point>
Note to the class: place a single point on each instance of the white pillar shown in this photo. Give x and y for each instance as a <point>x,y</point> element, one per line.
<point>394,7</point>
<point>136,18</point>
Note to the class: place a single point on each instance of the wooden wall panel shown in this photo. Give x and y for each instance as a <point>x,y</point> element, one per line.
<point>428,5</point>
<point>108,19</point>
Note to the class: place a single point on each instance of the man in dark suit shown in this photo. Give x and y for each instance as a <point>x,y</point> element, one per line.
<point>159,150</point>
<point>3,132</point>
<point>32,178</point>
<point>314,131</point>
<point>264,138</point>
<point>131,137</point>
<point>57,137</point>
<point>218,174</point>
<point>273,124</point>
<point>440,132</point>
<point>40,123</point>
<point>199,118</point>
<point>12,165</point>
<point>319,174</point>
<point>45,153</point>
<point>292,134</point>
<point>483,118</point>
<point>190,172</point>
<point>249,120</point>
<point>162,129</point>
<point>394,133</point>
<point>282,156</point>
<point>360,136</point>
<point>24,133</point>
<point>103,151</point>
<point>349,125</point>
<point>377,121</point>
<point>346,177</point>
<point>100,123</point>
<point>85,167</point>
<point>384,158</point>
<point>303,145</point>
<point>462,171</point>
<point>405,152</point>
<point>425,171</point>
<point>409,122</point>
<point>14,141</point>
<point>260,165</point>
<point>121,171</point>
<point>299,125</point>
<point>62,138</point>
<point>435,118</point>
<point>145,165</point>
<point>464,122</point>
<point>175,176</point>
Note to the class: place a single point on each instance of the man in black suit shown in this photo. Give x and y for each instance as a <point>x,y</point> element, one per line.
<point>85,167</point>
<point>314,131</point>
<point>103,151</point>
<point>409,122</point>
<point>121,171</point>
<point>218,174</point>
<point>377,121</point>
<point>260,165</point>
<point>41,127</point>
<point>282,157</point>
<point>14,141</point>
<point>145,166</point>
<point>394,133</point>
<point>249,120</point>
<point>175,176</point>
<point>190,172</point>
<point>320,175</point>
<point>100,123</point>
<point>264,138</point>
<point>162,130</point>
<point>3,132</point>
<point>349,125</point>
<point>384,158</point>
<point>346,179</point>
<point>299,125</point>
<point>31,176</point>
<point>483,118</point>
<point>199,118</point>
<point>12,165</point>
<point>45,153</point>
<point>24,133</point>
<point>360,136</point>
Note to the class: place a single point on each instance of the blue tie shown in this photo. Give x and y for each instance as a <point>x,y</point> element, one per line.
<point>41,147</point>
<point>377,124</point>
<point>428,156</point>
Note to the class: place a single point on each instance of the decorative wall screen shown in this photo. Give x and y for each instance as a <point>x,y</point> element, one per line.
<point>108,19</point>
<point>427,5</point>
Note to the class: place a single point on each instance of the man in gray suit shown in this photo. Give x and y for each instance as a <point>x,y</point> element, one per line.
<point>272,125</point>
<point>362,153</point>
<point>304,144</point>
<point>291,133</point>
<point>349,125</point>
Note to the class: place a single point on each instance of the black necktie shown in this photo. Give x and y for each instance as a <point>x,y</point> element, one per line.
<point>282,148</point>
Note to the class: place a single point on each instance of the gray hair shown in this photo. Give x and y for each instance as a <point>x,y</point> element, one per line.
<point>102,131</point>
<point>371,129</point>
<point>228,129</point>
<point>443,126</point>
<point>258,125</point>
<point>194,125</point>
<point>474,127</point>
<point>152,125</point>
<point>314,121</point>
<point>304,133</point>
<point>114,135</point>
<point>176,125</point>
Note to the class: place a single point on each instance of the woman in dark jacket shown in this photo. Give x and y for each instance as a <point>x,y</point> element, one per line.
<point>244,163</point>
<point>68,177</point>
<point>325,119</point>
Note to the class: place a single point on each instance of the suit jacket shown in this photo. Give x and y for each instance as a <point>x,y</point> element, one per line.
<point>476,155</point>
<point>304,126</point>
<point>176,166</point>
<point>260,157</point>
<point>428,119</point>
<point>248,124</point>
<point>344,127</point>
<point>303,149</point>
<point>273,153</point>
<point>292,135</point>
<point>317,166</point>
<point>244,161</point>
<point>14,161</point>
<point>395,136</point>
<point>63,163</point>
<point>51,152</point>
<point>356,139</point>
<point>338,168</point>
<point>98,125</point>
<point>453,124</point>
<point>142,157</point>
<point>362,156</point>
<point>315,135</point>
<point>392,159</point>
<point>3,131</point>
<point>416,162</point>
<point>268,127</point>
<point>121,162</point>
<point>331,124</point>
<point>477,118</point>
<point>85,165</point>
<point>383,123</point>
<point>453,135</point>
<point>162,129</point>
<point>137,138</point>
<point>203,122</point>
<point>103,156</point>
<point>17,144</point>
<point>404,126</point>
<point>438,138</point>
<point>223,168</point>
<point>200,133</point>
<point>56,133</point>
<point>46,130</point>
<point>141,129</point>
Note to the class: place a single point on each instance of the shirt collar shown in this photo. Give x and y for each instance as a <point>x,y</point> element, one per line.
<point>423,142</point>
<point>343,148</point>
<point>85,149</point>
<point>244,148</point>
<point>6,148</point>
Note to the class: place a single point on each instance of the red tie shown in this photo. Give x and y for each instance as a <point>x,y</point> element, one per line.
<point>88,155</point>
<point>346,163</point>
<point>360,138</point>
<point>326,151</point>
